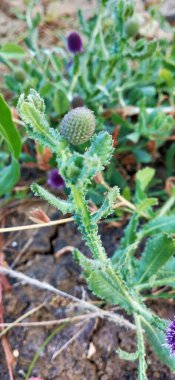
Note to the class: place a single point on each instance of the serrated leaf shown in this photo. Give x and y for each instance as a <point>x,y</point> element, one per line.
<point>32,116</point>
<point>142,49</point>
<point>64,206</point>
<point>141,350</point>
<point>99,280</point>
<point>107,206</point>
<point>157,340</point>
<point>90,167</point>
<point>124,355</point>
<point>100,284</point>
<point>8,129</point>
<point>157,252</point>
<point>102,147</point>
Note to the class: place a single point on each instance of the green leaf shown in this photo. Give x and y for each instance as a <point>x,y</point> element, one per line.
<point>102,147</point>
<point>157,252</point>
<point>107,206</point>
<point>144,177</point>
<point>100,284</point>
<point>167,272</point>
<point>146,204</point>
<point>130,236</point>
<point>156,339</point>
<point>32,112</point>
<point>12,51</point>
<point>90,167</point>
<point>99,279</point>
<point>8,129</point>
<point>60,102</point>
<point>170,160</point>
<point>159,224</point>
<point>9,176</point>
<point>141,350</point>
<point>142,49</point>
<point>64,206</point>
<point>124,355</point>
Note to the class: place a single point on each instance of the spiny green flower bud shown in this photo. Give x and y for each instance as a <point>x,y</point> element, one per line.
<point>78,125</point>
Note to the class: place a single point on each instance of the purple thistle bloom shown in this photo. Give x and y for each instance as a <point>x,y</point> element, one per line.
<point>55,180</point>
<point>170,336</point>
<point>74,43</point>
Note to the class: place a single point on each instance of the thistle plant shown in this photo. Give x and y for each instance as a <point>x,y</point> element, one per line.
<point>119,280</point>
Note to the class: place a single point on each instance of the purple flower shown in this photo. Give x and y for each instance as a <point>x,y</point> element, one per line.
<point>55,180</point>
<point>170,336</point>
<point>74,43</point>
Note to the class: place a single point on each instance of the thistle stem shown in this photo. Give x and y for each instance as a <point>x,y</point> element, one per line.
<point>91,232</point>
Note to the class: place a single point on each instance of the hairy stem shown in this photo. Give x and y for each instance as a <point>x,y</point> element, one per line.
<point>88,229</point>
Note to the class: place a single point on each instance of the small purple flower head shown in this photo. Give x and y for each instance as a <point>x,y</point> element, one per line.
<point>55,180</point>
<point>74,43</point>
<point>170,336</point>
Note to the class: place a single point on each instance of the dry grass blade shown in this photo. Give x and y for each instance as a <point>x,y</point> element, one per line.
<point>17,321</point>
<point>119,320</point>
<point>48,323</point>
<point>68,343</point>
<point>34,226</point>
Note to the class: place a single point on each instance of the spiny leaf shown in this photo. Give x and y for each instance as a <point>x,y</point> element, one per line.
<point>157,252</point>
<point>32,115</point>
<point>142,49</point>
<point>99,280</point>
<point>90,167</point>
<point>32,112</point>
<point>40,138</point>
<point>64,206</point>
<point>102,146</point>
<point>141,350</point>
<point>107,206</point>
<point>100,283</point>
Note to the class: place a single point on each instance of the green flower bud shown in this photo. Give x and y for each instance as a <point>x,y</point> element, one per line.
<point>132,27</point>
<point>19,74</point>
<point>78,125</point>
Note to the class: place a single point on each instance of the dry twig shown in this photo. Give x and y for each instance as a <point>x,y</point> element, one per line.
<point>119,320</point>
